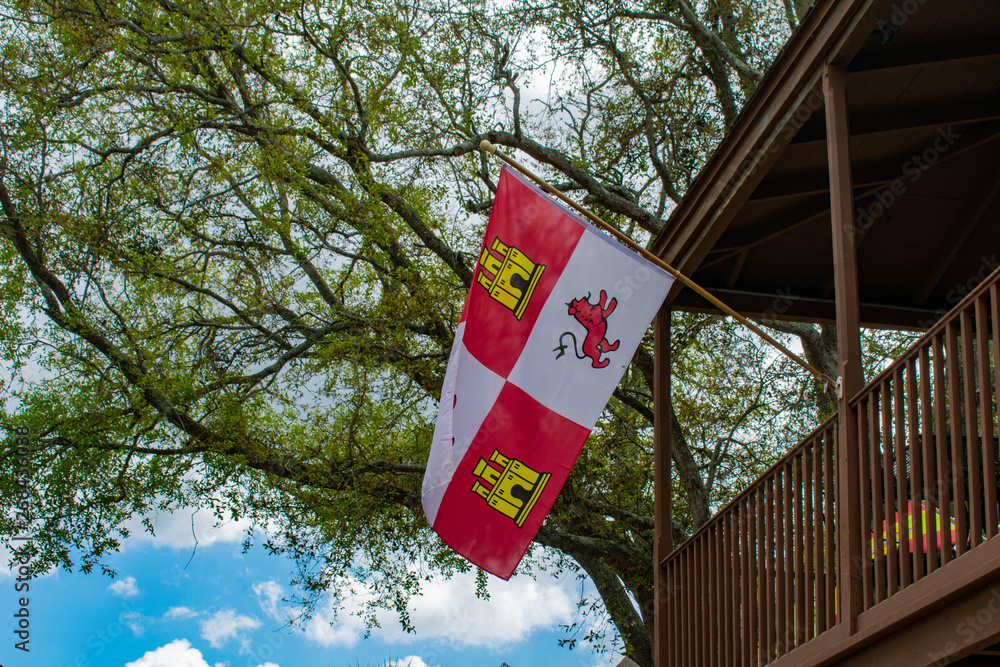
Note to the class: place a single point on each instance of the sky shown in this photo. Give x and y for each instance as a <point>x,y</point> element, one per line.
<point>222,608</point>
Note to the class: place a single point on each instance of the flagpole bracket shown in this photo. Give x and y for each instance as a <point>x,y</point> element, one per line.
<point>840,387</point>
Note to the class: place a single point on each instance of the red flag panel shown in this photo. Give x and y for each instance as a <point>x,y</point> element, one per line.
<point>528,242</point>
<point>508,481</point>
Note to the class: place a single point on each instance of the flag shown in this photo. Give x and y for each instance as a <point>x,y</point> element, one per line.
<point>554,314</point>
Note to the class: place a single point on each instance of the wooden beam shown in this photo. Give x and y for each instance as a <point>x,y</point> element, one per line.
<point>734,274</point>
<point>924,55</point>
<point>795,307</point>
<point>848,344</point>
<point>889,170</point>
<point>745,239</point>
<point>955,112</point>
<point>663,524</point>
<point>742,239</point>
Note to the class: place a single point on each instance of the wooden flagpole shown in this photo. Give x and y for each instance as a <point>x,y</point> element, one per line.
<point>829,383</point>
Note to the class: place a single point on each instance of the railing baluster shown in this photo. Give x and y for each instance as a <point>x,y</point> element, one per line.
<point>748,619</point>
<point>728,591</point>
<point>808,475</point>
<point>888,501</point>
<point>916,541</point>
<point>902,530</point>
<point>830,440</point>
<point>719,559</point>
<point>877,535</point>
<point>672,581</point>
<point>957,451</point>
<point>989,468</point>
<point>699,604</point>
<point>770,569</point>
<point>791,565</point>
<point>781,563</point>
<point>714,598</point>
<point>866,445</point>
<point>690,587</point>
<point>800,575</point>
<point>737,594</point>
<point>763,605</point>
<point>971,431</point>
<point>944,469</point>
<point>707,606</point>
<point>684,617</point>
<point>820,613</point>
<point>995,318</point>
<point>692,609</point>
<point>927,445</point>
<point>754,553</point>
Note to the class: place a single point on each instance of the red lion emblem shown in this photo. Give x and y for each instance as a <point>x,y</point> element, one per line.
<point>594,318</point>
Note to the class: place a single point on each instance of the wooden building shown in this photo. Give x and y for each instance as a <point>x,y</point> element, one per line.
<point>861,185</point>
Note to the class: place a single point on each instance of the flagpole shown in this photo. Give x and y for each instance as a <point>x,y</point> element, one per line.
<point>488,147</point>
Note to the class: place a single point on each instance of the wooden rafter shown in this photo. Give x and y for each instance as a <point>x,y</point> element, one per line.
<point>952,113</point>
<point>890,169</point>
<point>925,55</point>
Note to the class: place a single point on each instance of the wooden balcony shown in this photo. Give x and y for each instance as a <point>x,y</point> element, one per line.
<point>873,541</point>
<point>758,584</point>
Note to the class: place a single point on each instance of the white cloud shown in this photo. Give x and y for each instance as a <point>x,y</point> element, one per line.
<point>327,629</point>
<point>448,610</point>
<point>125,587</point>
<point>408,661</point>
<point>179,614</point>
<point>269,597</point>
<point>269,664</point>
<point>177,653</point>
<point>225,625</point>
<point>178,529</point>
<point>135,621</point>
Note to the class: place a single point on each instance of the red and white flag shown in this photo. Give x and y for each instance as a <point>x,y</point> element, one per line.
<point>553,317</point>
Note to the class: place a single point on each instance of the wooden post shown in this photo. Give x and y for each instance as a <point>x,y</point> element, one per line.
<point>848,344</point>
<point>663,543</point>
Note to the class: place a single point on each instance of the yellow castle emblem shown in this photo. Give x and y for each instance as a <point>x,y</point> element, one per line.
<point>513,489</point>
<point>508,275</point>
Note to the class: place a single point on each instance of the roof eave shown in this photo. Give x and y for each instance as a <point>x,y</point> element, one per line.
<point>833,31</point>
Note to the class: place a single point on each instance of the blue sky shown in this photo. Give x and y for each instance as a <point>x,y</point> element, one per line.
<point>225,609</point>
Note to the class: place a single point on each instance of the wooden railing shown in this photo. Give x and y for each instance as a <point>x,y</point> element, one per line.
<point>760,578</point>
<point>926,429</point>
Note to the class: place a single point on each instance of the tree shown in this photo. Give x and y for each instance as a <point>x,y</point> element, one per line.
<point>238,236</point>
